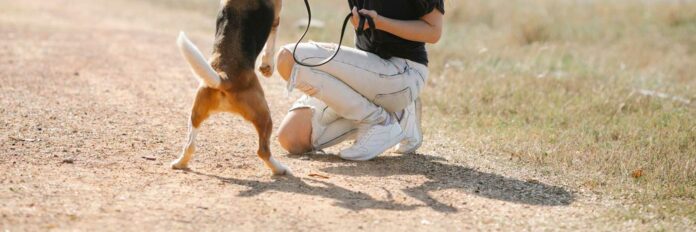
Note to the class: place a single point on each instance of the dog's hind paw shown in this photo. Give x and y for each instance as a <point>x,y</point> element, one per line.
<point>266,70</point>
<point>176,165</point>
<point>282,171</point>
<point>278,168</point>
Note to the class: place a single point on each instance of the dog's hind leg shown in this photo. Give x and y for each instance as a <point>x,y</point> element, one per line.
<point>204,103</point>
<point>255,109</point>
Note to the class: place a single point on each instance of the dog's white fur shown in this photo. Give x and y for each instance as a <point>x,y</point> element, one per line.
<point>189,149</point>
<point>268,58</point>
<point>199,66</point>
<point>277,167</point>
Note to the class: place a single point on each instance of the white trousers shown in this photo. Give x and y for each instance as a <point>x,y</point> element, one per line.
<point>355,87</point>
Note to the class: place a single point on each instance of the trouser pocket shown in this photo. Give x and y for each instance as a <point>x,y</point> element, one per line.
<point>396,101</point>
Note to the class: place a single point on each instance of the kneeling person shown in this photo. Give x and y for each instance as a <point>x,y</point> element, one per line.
<point>369,93</point>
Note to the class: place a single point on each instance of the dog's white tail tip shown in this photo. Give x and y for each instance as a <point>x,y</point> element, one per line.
<point>200,67</point>
<point>181,38</point>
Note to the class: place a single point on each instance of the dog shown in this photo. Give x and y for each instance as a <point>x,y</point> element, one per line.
<point>228,82</point>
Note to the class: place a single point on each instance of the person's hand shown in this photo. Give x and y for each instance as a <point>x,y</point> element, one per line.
<point>356,17</point>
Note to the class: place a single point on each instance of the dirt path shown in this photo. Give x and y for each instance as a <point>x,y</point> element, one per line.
<point>93,101</point>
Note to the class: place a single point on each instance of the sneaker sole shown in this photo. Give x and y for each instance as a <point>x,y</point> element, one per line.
<point>393,143</point>
<point>411,151</point>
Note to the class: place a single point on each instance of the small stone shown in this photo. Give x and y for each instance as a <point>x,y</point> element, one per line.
<point>68,161</point>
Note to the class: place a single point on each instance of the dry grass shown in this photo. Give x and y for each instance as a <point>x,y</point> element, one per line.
<point>562,84</point>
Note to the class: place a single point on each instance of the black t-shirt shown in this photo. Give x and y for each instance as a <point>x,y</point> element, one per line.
<point>387,45</point>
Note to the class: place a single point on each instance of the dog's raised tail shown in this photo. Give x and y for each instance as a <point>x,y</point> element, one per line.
<point>200,67</point>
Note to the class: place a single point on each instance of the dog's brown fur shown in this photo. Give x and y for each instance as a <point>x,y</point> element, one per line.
<point>243,27</point>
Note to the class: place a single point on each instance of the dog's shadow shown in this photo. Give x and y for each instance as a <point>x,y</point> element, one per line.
<point>440,176</point>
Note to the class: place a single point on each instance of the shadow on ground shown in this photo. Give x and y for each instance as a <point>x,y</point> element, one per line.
<point>440,174</point>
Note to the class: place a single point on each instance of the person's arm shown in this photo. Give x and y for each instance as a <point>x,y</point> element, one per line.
<point>427,29</point>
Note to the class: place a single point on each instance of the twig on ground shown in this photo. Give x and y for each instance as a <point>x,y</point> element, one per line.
<point>23,139</point>
<point>318,175</point>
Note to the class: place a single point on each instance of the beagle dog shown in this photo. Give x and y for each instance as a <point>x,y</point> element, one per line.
<point>228,82</point>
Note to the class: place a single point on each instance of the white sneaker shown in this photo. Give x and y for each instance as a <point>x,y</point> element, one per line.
<point>411,125</point>
<point>373,141</point>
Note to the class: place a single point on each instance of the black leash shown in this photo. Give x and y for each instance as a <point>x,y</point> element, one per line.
<point>359,31</point>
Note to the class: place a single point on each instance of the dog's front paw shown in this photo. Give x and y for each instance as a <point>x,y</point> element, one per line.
<point>178,165</point>
<point>267,64</point>
<point>266,69</point>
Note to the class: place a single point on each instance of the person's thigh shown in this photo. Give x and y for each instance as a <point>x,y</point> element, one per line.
<point>392,83</point>
<point>295,131</point>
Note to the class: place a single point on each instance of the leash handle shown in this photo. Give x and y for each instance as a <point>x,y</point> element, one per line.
<point>363,19</point>
<point>360,30</point>
<point>361,24</point>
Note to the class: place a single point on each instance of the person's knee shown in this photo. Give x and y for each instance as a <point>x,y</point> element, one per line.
<point>291,142</point>
<point>285,62</point>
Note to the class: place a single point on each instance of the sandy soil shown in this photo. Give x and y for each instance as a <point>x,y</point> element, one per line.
<point>93,104</point>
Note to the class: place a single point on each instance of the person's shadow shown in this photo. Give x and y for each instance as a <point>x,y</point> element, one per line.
<point>440,174</point>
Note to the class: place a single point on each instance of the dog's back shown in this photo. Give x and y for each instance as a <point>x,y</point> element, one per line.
<point>242,29</point>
